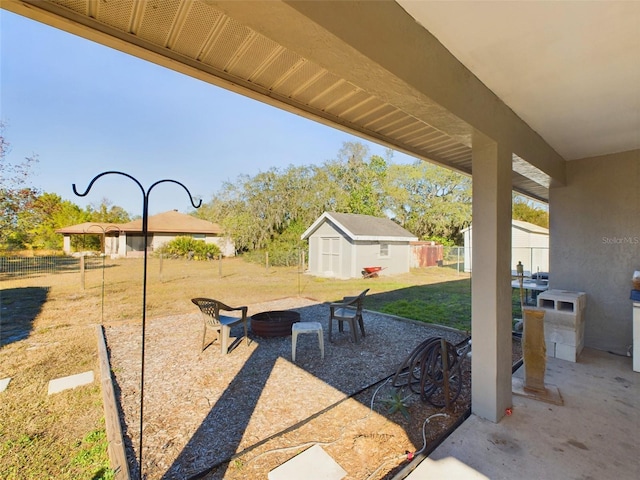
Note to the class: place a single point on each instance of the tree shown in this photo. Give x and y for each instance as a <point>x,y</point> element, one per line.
<point>360,182</point>
<point>106,212</point>
<point>47,213</point>
<point>271,209</point>
<point>16,195</point>
<point>255,210</point>
<point>529,211</point>
<point>228,209</point>
<point>429,201</point>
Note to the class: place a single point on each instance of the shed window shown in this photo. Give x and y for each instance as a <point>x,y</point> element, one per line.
<point>384,249</point>
<point>198,236</point>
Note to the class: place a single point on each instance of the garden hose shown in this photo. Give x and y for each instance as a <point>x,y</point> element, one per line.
<point>423,370</point>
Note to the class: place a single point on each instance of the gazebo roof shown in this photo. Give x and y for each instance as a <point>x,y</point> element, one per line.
<point>90,228</point>
<point>167,222</point>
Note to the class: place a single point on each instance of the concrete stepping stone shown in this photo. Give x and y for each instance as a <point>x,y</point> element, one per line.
<point>312,464</point>
<point>4,383</point>
<point>72,381</point>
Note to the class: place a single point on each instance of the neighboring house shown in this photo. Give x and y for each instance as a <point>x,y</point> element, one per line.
<point>127,240</point>
<point>342,244</point>
<point>529,245</point>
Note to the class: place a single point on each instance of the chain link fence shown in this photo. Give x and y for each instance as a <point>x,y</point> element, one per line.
<point>453,257</point>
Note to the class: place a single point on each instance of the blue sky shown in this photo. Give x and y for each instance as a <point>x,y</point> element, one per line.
<point>83,109</point>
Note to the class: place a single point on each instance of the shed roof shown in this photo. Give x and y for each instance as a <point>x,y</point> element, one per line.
<point>362,227</point>
<point>530,227</point>
<point>526,226</point>
<point>167,222</point>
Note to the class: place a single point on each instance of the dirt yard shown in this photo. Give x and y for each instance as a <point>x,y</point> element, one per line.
<point>241,415</point>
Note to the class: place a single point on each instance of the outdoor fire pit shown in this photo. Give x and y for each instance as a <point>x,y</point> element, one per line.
<point>276,323</point>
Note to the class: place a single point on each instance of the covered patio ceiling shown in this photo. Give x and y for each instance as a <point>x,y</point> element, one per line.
<point>561,79</point>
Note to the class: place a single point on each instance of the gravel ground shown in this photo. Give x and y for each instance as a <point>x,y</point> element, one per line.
<point>242,414</point>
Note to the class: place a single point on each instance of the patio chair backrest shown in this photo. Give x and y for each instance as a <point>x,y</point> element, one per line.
<point>356,302</point>
<point>210,308</point>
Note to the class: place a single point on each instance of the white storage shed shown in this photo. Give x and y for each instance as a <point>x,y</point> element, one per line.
<point>529,245</point>
<point>341,245</point>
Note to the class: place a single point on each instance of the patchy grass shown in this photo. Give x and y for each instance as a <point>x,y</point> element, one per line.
<point>92,455</point>
<point>446,303</point>
<point>51,319</point>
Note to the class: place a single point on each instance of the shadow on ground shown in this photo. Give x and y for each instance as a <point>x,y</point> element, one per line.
<point>19,307</point>
<point>264,385</point>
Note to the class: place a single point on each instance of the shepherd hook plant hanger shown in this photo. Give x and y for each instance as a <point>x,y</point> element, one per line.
<point>145,228</point>
<point>109,228</point>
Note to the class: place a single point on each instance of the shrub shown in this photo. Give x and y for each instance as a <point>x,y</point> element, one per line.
<point>278,257</point>
<point>190,248</point>
<point>284,249</point>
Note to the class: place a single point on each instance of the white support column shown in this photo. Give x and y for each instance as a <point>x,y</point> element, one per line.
<point>122,245</point>
<point>66,244</point>
<point>491,279</point>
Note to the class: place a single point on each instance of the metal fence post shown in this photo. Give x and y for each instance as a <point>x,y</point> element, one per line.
<point>82,271</point>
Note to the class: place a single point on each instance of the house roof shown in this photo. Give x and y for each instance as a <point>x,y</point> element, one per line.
<point>526,226</point>
<point>173,222</point>
<point>362,227</point>
<point>167,222</point>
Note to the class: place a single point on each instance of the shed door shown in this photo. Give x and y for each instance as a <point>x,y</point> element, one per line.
<point>330,252</point>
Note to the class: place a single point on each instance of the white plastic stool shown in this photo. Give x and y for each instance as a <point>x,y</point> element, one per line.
<point>306,327</point>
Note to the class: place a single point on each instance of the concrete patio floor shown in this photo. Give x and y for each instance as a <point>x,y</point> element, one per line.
<point>594,435</point>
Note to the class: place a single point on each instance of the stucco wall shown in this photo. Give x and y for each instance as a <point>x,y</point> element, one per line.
<point>157,240</point>
<point>226,246</point>
<point>595,242</point>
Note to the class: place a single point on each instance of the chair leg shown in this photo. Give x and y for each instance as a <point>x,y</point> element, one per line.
<point>330,327</point>
<point>321,342</point>
<point>224,334</point>
<point>354,331</point>
<point>246,336</point>
<point>294,340</point>
<point>361,322</point>
<point>204,335</point>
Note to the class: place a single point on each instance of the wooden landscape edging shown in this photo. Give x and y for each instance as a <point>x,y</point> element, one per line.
<point>115,443</point>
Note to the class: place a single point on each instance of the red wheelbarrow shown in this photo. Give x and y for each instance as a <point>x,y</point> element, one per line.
<point>370,272</point>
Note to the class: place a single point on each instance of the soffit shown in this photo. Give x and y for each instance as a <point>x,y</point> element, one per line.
<point>196,38</point>
<point>571,70</point>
